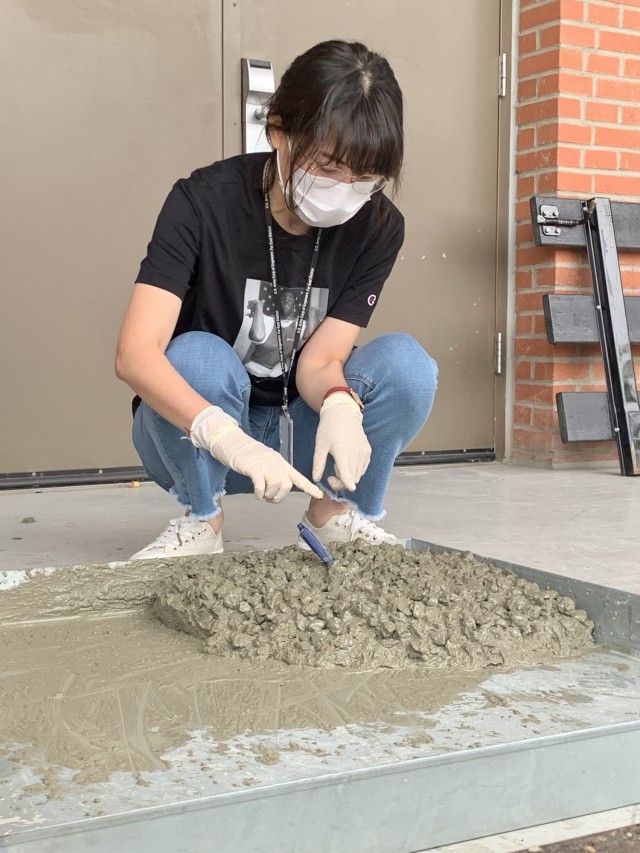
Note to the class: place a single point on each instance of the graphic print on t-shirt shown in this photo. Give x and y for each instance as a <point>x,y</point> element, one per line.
<point>257,340</point>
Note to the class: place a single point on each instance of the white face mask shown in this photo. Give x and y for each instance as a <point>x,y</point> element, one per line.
<point>322,203</point>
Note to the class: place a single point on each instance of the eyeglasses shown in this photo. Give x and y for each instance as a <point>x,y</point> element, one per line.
<point>330,175</point>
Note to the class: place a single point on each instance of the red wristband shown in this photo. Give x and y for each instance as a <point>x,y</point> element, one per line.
<point>345,390</point>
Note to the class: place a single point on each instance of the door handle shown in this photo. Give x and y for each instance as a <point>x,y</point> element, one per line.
<point>257,87</point>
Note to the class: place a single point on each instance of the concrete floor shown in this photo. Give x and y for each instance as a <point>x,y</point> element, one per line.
<point>583,523</point>
<point>580,523</point>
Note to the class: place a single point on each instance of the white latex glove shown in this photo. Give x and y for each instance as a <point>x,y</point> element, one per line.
<point>340,434</point>
<point>272,476</point>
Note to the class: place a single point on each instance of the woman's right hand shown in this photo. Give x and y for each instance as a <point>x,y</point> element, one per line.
<point>272,476</point>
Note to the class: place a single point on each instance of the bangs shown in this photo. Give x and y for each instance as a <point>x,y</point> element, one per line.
<point>361,136</point>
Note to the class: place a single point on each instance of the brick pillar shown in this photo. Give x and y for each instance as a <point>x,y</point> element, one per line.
<point>578,118</point>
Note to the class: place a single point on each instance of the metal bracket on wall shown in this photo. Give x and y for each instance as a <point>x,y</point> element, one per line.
<point>581,415</point>
<point>552,224</point>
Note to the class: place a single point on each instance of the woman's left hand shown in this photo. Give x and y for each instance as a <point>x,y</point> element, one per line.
<point>340,434</point>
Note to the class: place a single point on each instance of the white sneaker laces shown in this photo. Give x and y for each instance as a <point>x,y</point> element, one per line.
<point>366,529</point>
<point>179,531</point>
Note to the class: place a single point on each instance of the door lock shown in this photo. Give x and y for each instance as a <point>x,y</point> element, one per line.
<point>257,87</point>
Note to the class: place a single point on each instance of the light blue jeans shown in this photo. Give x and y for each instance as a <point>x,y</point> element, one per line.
<point>393,375</point>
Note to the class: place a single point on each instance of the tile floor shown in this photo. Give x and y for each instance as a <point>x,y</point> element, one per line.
<point>580,523</point>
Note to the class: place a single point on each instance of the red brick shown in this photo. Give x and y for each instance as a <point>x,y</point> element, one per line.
<point>550,36</point>
<point>528,43</point>
<point>539,325</point>
<point>524,279</point>
<point>562,131</point>
<point>573,10</point>
<point>631,19</point>
<point>616,184</point>
<point>522,414</point>
<point>526,138</point>
<point>531,256</point>
<point>523,211</point>
<point>571,58</point>
<point>534,439</point>
<point>629,161</point>
<point>526,392</point>
<point>574,182</point>
<point>548,183</point>
<point>627,258</point>
<point>566,256</point>
<point>524,233</point>
<point>563,34</point>
<point>591,387</point>
<point>542,158</point>
<point>599,14</point>
<point>524,325</point>
<point>571,371</point>
<point>563,387</point>
<point>618,90</point>
<point>528,89</point>
<point>599,63</point>
<point>620,42</point>
<point>560,81</point>
<point>630,115</point>
<point>529,301</point>
<point>631,280</point>
<point>556,106</point>
<point>549,133</point>
<point>588,351</point>
<point>544,418</point>
<point>561,277</point>
<point>543,371</point>
<point>598,159</point>
<point>598,111</point>
<point>632,67</point>
<point>541,13</point>
<point>546,276</point>
<point>569,158</point>
<point>617,137</point>
<point>533,347</point>
<point>526,186</point>
<point>536,63</point>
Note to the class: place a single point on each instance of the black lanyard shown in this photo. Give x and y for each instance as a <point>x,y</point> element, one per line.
<point>286,372</point>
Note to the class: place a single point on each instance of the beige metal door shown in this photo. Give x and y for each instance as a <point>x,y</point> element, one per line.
<point>104,106</point>
<point>445,55</point>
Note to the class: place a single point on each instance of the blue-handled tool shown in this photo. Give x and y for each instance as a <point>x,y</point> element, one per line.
<point>315,544</point>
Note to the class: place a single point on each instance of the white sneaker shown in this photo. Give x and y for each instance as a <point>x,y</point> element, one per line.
<point>347,528</point>
<point>183,537</point>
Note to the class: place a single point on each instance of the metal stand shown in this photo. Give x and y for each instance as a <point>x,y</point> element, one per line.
<point>613,332</point>
<point>594,416</point>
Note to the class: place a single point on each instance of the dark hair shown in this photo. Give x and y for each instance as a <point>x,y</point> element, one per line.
<point>343,97</point>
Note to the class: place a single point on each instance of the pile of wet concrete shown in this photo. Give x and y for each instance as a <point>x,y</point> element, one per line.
<point>374,606</point>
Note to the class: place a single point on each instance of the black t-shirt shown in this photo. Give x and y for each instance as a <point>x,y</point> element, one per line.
<point>210,248</point>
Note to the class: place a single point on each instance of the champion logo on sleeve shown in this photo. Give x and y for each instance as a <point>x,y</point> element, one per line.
<point>372,300</point>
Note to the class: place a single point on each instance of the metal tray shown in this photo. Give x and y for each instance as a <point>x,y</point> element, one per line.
<point>518,749</point>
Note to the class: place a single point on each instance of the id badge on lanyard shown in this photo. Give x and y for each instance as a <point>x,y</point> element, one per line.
<point>286,437</point>
<point>286,424</point>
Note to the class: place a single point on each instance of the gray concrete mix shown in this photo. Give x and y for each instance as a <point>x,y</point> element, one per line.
<point>374,606</point>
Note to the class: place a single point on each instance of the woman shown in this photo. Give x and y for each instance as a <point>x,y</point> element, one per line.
<point>215,415</point>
